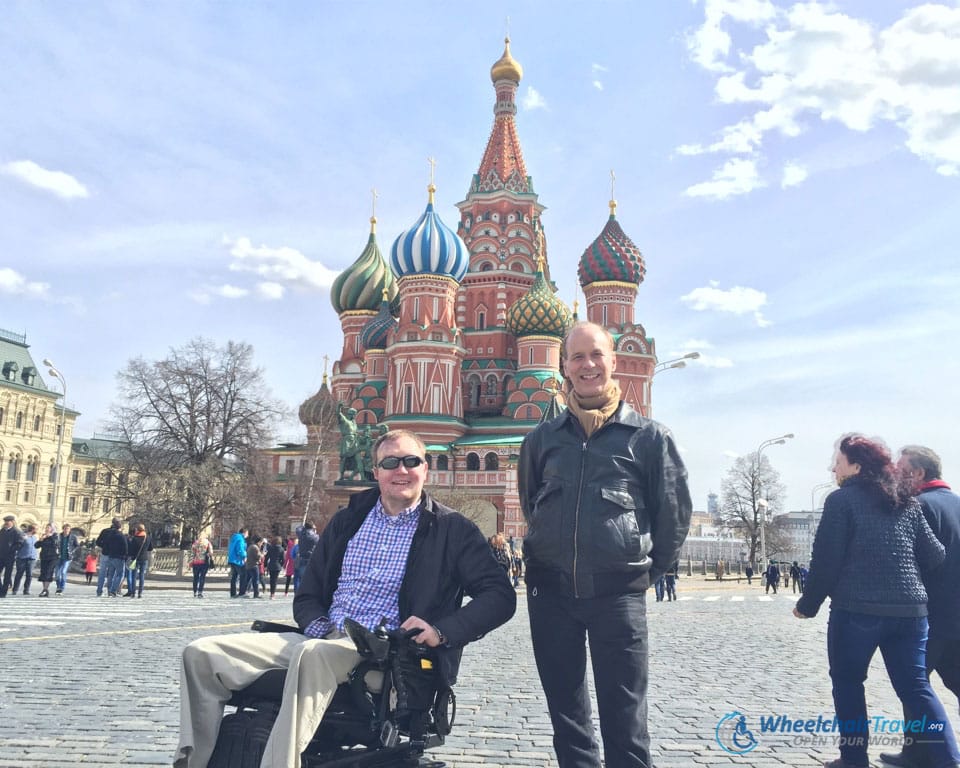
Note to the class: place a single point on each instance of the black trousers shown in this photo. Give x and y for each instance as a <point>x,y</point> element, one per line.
<point>238,580</point>
<point>616,628</point>
<point>6,567</point>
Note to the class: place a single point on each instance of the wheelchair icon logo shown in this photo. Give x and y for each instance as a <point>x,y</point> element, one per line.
<point>733,736</point>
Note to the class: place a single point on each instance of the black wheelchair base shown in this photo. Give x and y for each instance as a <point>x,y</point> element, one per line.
<point>390,728</point>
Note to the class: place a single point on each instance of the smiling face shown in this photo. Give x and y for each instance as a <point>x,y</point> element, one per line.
<point>402,487</point>
<point>589,361</point>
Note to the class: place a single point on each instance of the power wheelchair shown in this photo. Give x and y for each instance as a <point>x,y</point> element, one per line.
<point>391,727</point>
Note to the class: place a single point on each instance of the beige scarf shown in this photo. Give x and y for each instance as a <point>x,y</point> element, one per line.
<point>593,412</point>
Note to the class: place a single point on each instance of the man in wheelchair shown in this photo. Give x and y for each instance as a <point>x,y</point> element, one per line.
<point>393,555</point>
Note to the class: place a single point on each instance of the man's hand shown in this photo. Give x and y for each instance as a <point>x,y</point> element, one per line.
<point>428,635</point>
<point>799,615</point>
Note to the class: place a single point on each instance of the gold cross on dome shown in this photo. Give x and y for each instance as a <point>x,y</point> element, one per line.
<point>613,185</point>
<point>433,167</point>
<point>375,194</point>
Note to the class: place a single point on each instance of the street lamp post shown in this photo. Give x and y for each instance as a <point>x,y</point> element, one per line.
<point>820,487</point>
<point>761,502</point>
<point>63,428</point>
<point>677,362</point>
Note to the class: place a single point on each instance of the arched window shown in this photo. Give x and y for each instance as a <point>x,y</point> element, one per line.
<point>490,462</point>
<point>13,468</point>
<point>19,419</point>
<point>36,423</point>
<point>486,267</point>
<point>473,383</point>
<point>1,415</point>
<point>491,384</point>
<point>429,461</point>
<point>442,463</point>
<point>31,475</point>
<point>481,320</point>
<point>473,462</point>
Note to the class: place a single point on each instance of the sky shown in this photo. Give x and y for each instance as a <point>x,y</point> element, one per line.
<point>790,171</point>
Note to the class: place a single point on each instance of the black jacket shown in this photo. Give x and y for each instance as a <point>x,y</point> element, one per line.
<point>941,508</point>
<point>11,539</point>
<point>869,559</point>
<point>273,558</point>
<point>605,515</point>
<point>448,558</point>
<point>112,543</point>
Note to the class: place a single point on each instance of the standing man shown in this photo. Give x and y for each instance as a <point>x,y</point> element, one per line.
<point>237,560</point>
<point>772,578</point>
<point>941,507</point>
<point>605,497</point>
<point>68,548</point>
<point>11,539</point>
<point>113,563</point>
<point>394,555</point>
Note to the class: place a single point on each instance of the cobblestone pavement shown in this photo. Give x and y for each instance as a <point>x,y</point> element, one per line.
<point>94,681</point>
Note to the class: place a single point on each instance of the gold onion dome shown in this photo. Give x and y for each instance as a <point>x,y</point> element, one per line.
<point>360,286</point>
<point>316,409</point>
<point>506,67</point>
<point>539,312</point>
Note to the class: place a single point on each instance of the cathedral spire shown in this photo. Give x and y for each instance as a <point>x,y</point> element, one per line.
<point>502,166</point>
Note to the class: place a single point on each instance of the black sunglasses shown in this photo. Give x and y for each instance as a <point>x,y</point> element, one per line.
<point>392,462</point>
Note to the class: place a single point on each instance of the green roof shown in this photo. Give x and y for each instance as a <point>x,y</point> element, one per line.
<point>502,440</point>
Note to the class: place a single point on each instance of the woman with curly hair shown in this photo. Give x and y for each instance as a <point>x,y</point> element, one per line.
<point>871,548</point>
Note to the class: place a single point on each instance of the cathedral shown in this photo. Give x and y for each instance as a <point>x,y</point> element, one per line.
<point>456,334</point>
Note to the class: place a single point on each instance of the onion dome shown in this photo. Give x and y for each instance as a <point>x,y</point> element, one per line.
<point>360,286</point>
<point>374,333</point>
<point>539,312</point>
<point>316,409</point>
<point>612,256</point>
<point>506,67</point>
<point>429,247</point>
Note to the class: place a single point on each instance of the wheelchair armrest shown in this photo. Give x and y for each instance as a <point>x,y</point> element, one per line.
<point>274,626</point>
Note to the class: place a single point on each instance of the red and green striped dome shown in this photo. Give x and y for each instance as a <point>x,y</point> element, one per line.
<point>360,286</point>
<point>612,256</point>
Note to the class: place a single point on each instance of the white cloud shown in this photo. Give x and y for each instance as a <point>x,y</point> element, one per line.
<point>533,100</point>
<point>737,177</point>
<point>282,266</point>
<point>793,174</point>
<point>270,291</point>
<point>816,64</point>
<point>597,70</point>
<point>713,361</point>
<point>737,300</point>
<point>228,291</point>
<point>15,284</point>
<point>59,183</point>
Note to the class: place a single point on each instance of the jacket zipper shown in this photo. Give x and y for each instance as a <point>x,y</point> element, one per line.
<point>576,519</point>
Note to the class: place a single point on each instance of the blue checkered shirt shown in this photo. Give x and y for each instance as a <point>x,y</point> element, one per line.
<point>373,567</point>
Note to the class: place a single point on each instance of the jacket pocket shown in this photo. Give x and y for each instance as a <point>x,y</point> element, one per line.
<point>619,540</point>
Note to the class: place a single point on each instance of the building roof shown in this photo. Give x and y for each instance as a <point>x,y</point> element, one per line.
<point>430,247</point>
<point>612,256</point>
<point>360,286</point>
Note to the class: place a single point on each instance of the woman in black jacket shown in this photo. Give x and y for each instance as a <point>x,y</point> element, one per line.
<point>273,562</point>
<point>49,548</point>
<point>870,549</point>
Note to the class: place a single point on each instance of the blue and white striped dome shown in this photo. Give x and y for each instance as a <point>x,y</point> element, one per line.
<point>430,247</point>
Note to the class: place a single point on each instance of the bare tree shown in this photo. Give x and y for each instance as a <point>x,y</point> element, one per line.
<point>191,421</point>
<point>750,479</point>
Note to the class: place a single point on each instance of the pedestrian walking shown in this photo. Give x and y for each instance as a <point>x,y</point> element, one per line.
<point>670,582</point>
<point>140,545</point>
<point>772,577</point>
<point>273,562</point>
<point>922,468</point>
<point>871,548</point>
<point>11,539</point>
<point>748,572</point>
<point>90,566</point>
<point>201,558</point>
<point>113,547</point>
<point>237,559</point>
<point>49,549</point>
<point>796,578</point>
<point>26,558</point>
<point>69,544</point>
<point>289,563</point>
<point>254,558</point>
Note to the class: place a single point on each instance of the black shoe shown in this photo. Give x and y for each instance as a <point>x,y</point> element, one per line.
<point>900,759</point>
<point>59,591</point>
<point>44,594</point>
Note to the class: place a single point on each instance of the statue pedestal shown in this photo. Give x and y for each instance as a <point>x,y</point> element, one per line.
<point>340,492</point>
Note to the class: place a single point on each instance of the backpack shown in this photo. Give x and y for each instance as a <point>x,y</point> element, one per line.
<point>243,738</point>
